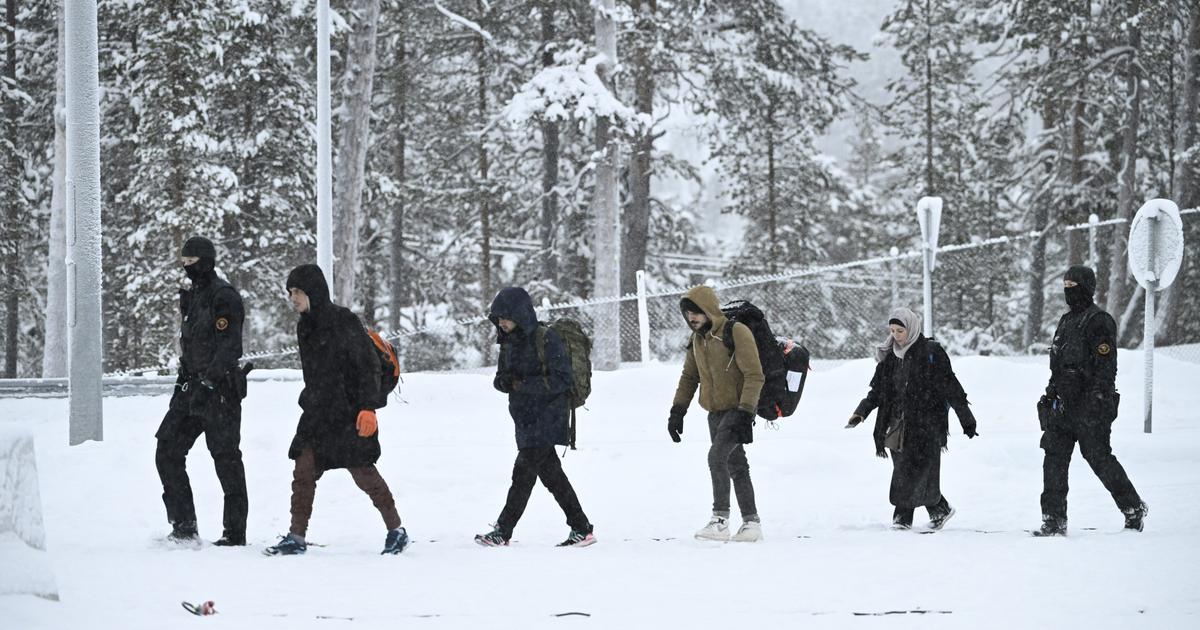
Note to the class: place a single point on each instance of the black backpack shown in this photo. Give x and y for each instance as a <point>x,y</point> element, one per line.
<point>389,365</point>
<point>785,362</point>
<point>579,352</point>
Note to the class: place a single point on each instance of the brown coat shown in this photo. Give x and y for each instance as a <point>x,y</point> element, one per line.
<point>726,382</point>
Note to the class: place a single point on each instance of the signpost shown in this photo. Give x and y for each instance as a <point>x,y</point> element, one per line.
<point>929,215</point>
<point>1155,254</point>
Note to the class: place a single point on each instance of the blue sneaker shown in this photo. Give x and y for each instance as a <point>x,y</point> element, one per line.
<point>287,546</point>
<point>397,540</point>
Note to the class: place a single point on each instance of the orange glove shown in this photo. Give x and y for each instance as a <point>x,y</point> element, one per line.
<point>367,423</point>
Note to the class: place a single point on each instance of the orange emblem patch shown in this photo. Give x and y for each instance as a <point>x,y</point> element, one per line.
<point>222,323</point>
<point>1104,349</point>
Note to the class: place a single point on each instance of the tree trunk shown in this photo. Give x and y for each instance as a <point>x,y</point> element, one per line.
<point>357,84</point>
<point>485,214</point>
<point>1077,239</point>
<point>54,351</point>
<point>772,209</point>
<point>636,220</point>
<point>607,280</point>
<point>399,289</point>
<point>1186,180</point>
<point>1037,263</point>
<point>549,160</point>
<point>12,201</point>
<point>1118,292</point>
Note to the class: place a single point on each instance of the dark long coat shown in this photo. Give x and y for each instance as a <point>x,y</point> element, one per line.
<point>537,394</point>
<point>341,378</point>
<point>918,393</point>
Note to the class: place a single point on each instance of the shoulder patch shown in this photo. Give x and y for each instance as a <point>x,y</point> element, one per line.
<point>222,323</point>
<point>1104,349</point>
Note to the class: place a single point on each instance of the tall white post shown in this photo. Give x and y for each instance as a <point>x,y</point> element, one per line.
<point>1093,223</point>
<point>324,148</point>
<point>894,275</point>
<point>1148,329</point>
<point>84,329</point>
<point>929,215</point>
<point>643,316</point>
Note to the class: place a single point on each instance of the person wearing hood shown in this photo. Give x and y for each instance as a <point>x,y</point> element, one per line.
<point>207,399</point>
<point>730,384</point>
<point>535,372</point>
<point>913,389</point>
<point>338,427</point>
<point>1080,405</point>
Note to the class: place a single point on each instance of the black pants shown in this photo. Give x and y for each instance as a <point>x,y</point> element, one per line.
<point>222,434</point>
<point>1094,442</point>
<point>727,464</point>
<point>533,464</point>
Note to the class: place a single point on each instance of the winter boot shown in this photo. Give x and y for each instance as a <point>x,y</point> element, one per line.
<point>717,529</point>
<point>494,538</point>
<point>579,538</point>
<point>289,545</point>
<point>231,539</point>
<point>939,518</point>
<point>397,540</point>
<point>750,531</point>
<point>1051,526</point>
<point>183,533</point>
<point>1135,517</point>
<point>902,518</point>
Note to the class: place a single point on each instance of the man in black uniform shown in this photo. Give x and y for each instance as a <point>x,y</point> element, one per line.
<point>1080,405</point>
<point>208,398</point>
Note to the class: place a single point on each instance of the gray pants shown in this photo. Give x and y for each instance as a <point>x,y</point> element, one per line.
<point>727,462</point>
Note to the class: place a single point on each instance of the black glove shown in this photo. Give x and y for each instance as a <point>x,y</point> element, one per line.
<point>503,382</point>
<point>969,430</point>
<point>743,426</point>
<point>881,454</point>
<point>675,422</point>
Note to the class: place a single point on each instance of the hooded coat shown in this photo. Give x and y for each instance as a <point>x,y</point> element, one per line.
<point>726,381</point>
<point>341,378</point>
<point>537,394</point>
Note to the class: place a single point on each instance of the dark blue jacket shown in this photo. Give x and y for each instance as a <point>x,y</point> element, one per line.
<point>537,396</point>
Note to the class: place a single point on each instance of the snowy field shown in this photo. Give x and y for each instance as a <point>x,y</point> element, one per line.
<point>828,559</point>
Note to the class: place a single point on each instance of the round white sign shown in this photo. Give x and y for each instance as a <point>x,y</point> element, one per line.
<point>1156,229</point>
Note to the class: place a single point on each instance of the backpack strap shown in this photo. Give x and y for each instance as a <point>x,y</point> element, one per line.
<point>539,341</point>
<point>571,430</point>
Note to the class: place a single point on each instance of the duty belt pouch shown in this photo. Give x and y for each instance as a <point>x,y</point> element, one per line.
<point>1043,412</point>
<point>1107,404</point>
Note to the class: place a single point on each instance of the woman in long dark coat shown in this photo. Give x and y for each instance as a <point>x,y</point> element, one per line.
<point>914,388</point>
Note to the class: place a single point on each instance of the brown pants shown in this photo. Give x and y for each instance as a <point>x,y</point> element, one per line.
<point>304,490</point>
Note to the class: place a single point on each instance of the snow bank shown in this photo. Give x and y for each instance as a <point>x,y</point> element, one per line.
<point>22,533</point>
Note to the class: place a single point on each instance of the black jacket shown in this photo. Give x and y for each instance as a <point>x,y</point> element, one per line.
<point>341,378</point>
<point>932,389</point>
<point>210,342</point>
<point>537,396</point>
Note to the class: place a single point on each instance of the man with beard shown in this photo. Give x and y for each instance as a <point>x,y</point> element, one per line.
<point>1080,405</point>
<point>208,398</point>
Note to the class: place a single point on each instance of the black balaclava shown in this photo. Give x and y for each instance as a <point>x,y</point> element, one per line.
<point>203,249</point>
<point>1080,296</point>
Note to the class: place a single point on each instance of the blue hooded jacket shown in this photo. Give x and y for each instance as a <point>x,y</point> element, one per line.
<point>537,399</point>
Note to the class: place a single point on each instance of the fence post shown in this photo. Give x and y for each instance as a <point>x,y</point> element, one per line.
<point>643,316</point>
<point>929,215</point>
<point>1148,328</point>
<point>1093,222</point>
<point>894,275</point>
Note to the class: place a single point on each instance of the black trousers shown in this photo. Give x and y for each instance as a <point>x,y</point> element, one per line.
<point>1094,436</point>
<point>222,434</point>
<point>533,464</point>
<point>727,465</point>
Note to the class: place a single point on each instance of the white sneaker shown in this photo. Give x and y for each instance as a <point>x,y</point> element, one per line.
<point>717,529</point>
<point>750,531</point>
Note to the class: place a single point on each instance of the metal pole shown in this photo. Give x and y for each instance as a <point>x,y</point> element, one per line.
<point>1093,222</point>
<point>927,260</point>
<point>324,148</point>
<point>643,316</point>
<point>84,327</point>
<point>894,272</point>
<point>1148,326</point>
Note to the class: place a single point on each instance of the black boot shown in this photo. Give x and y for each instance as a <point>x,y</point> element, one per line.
<point>231,539</point>
<point>902,518</point>
<point>1135,517</point>
<point>1051,526</point>
<point>183,532</point>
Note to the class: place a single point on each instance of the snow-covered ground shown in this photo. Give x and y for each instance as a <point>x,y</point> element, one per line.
<point>828,558</point>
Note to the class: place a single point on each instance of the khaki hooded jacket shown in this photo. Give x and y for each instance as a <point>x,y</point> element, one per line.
<point>726,381</point>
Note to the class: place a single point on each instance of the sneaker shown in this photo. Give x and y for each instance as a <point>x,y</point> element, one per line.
<point>750,531</point>
<point>184,533</point>
<point>717,529</point>
<point>494,538</point>
<point>937,521</point>
<point>1051,526</point>
<point>397,540</point>
<point>230,539</point>
<point>579,538</point>
<point>1135,518</point>
<point>287,546</point>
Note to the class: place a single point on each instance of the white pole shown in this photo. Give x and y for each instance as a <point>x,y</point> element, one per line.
<point>1093,223</point>
<point>1148,329</point>
<point>929,215</point>
<point>84,328</point>
<point>643,316</point>
<point>894,272</point>
<point>324,148</point>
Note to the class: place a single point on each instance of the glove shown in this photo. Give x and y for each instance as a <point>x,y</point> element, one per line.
<point>185,301</point>
<point>367,423</point>
<point>970,431</point>
<point>855,420</point>
<point>881,454</point>
<point>503,382</point>
<point>675,422</point>
<point>743,426</point>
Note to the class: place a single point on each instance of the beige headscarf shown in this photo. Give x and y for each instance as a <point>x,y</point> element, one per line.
<point>912,323</point>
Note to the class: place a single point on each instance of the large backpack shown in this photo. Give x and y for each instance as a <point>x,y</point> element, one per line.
<point>785,362</point>
<point>579,353</point>
<point>389,366</point>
